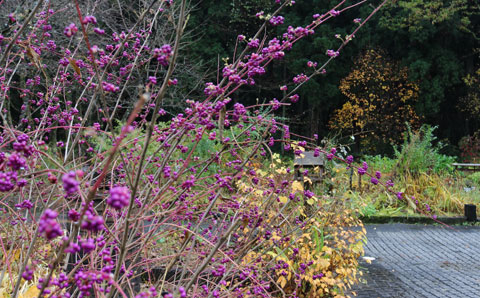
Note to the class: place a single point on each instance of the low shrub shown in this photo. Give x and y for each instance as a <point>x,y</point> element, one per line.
<point>419,154</point>
<point>470,148</point>
<point>474,179</point>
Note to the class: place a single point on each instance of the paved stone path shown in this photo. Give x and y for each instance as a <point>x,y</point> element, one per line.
<point>417,261</point>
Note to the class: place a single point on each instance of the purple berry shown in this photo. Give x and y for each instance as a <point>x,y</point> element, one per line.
<point>349,159</point>
<point>48,226</point>
<point>119,197</point>
<point>16,162</point>
<point>70,183</point>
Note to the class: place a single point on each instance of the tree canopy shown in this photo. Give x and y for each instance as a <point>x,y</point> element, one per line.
<point>380,102</point>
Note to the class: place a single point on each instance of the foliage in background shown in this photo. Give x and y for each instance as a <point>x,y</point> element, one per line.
<point>438,39</point>
<point>441,194</point>
<point>474,179</point>
<point>470,104</point>
<point>423,178</point>
<point>418,169</point>
<point>380,102</point>
<point>428,192</point>
<point>469,145</point>
<point>470,148</point>
<point>420,154</point>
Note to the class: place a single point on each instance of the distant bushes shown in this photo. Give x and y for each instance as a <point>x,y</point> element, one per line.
<point>420,154</point>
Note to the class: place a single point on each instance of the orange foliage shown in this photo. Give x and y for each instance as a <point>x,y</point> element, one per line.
<point>380,100</point>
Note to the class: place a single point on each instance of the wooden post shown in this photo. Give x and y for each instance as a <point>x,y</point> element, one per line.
<point>471,212</point>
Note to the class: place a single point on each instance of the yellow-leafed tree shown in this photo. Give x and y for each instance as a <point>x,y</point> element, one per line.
<point>381,100</point>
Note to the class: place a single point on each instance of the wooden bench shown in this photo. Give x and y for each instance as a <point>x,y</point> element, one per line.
<point>467,167</point>
<point>307,161</point>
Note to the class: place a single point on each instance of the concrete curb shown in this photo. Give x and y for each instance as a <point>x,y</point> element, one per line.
<point>413,220</point>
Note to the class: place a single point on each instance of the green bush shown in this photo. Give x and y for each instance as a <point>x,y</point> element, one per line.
<point>383,164</point>
<point>474,179</point>
<point>419,154</point>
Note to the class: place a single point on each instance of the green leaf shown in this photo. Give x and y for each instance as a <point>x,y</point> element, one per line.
<point>318,240</point>
<point>281,253</point>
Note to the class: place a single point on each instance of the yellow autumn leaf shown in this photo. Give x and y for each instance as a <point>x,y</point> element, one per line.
<point>302,211</point>
<point>327,250</point>
<point>297,186</point>
<point>15,256</point>
<point>3,293</point>
<point>283,199</point>
<point>32,292</point>
<point>330,281</point>
<point>75,67</point>
<point>322,264</point>
<point>262,173</point>
<point>282,281</point>
<point>34,57</point>
<point>306,179</point>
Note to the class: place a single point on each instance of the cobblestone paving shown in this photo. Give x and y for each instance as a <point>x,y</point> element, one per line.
<point>421,261</point>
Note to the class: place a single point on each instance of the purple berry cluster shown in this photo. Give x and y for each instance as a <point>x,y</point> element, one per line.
<point>16,162</point>
<point>119,197</point>
<point>48,225</point>
<point>22,145</point>
<point>70,183</point>
<point>8,181</point>
<point>92,222</point>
